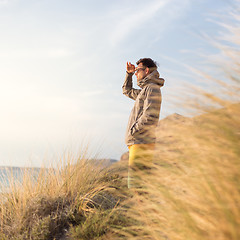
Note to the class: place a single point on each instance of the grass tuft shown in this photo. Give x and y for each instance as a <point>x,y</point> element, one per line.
<point>77,196</point>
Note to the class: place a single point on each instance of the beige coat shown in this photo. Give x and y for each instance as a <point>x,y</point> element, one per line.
<point>145,113</point>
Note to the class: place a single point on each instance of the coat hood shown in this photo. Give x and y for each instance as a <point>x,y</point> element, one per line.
<point>153,77</point>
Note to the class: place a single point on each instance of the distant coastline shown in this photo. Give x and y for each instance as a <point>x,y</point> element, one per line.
<point>17,173</point>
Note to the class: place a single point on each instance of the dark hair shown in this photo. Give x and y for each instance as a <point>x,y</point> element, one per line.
<point>147,62</point>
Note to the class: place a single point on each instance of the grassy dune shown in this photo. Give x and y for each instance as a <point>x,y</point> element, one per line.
<point>192,192</point>
<point>80,198</point>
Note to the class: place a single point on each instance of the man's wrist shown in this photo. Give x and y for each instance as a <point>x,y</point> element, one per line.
<point>129,72</point>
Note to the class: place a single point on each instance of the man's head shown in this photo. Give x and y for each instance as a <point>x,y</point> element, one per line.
<point>145,67</point>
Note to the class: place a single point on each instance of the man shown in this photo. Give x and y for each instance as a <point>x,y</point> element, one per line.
<point>140,135</point>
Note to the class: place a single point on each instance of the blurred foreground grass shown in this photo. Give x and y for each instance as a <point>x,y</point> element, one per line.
<point>194,190</point>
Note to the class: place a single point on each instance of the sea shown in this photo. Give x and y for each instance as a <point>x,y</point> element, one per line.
<point>14,175</point>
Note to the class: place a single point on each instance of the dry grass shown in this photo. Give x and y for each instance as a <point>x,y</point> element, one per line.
<point>193,191</point>
<point>74,197</point>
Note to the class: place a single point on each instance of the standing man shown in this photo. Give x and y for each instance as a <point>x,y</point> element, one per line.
<point>140,135</point>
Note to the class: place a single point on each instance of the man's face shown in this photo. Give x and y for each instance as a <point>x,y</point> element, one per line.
<point>141,72</point>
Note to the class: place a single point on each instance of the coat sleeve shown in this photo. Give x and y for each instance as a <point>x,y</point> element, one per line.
<point>151,110</point>
<point>127,88</point>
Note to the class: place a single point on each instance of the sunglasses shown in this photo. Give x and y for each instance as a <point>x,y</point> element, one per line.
<point>137,69</point>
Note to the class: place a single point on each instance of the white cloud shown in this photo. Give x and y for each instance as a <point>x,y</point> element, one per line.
<point>168,9</point>
<point>130,22</point>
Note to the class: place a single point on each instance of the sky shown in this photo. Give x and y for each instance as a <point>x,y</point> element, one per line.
<point>63,63</point>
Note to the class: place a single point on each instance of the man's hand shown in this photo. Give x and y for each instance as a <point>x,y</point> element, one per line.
<point>130,67</point>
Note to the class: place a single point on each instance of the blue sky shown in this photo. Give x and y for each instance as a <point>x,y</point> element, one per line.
<point>62,65</point>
